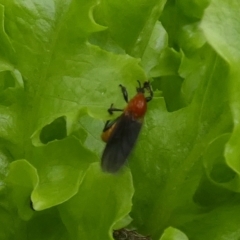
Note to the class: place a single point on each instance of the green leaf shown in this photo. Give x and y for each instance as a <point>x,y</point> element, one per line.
<point>22,179</point>
<point>45,225</point>
<point>61,63</point>
<point>168,63</point>
<point>6,47</point>
<point>157,43</point>
<point>225,41</point>
<point>220,223</point>
<point>4,165</point>
<point>173,234</point>
<point>61,167</point>
<point>171,86</point>
<point>130,24</point>
<point>168,153</point>
<point>191,38</point>
<point>193,9</point>
<point>217,168</point>
<point>102,201</point>
<point>221,28</point>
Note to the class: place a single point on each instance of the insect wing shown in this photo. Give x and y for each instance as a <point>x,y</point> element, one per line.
<point>110,124</point>
<point>108,129</point>
<point>120,143</point>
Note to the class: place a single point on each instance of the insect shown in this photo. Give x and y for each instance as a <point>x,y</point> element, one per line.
<point>121,134</point>
<point>125,234</point>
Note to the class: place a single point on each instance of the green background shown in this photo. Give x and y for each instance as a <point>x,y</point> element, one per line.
<point>61,62</point>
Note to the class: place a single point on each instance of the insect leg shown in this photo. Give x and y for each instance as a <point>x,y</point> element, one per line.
<point>148,98</point>
<point>109,123</point>
<point>139,83</point>
<point>124,92</point>
<point>140,88</point>
<point>147,86</point>
<point>106,126</point>
<point>112,109</point>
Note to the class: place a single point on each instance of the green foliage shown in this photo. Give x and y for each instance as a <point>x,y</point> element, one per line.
<point>60,66</point>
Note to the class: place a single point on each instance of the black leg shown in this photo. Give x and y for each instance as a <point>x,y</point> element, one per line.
<point>139,84</point>
<point>112,109</point>
<point>147,86</point>
<point>106,126</point>
<point>148,98</point>
<point>124,92</point>
<point>139,88</point>
<point>109,123</point>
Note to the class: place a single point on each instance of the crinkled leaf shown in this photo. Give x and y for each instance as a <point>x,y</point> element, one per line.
<point>168,154</point>
<point>191,38</point>
<point>193,9</point>
<point>102,201</point>
<point>57,78</point>
<point>221,223</point>
<point>130,23</point>
<point>217,169</point>
<point>4,164</point>
<point>173,234</point>
<point>220,25</point>
<point>168,63</point>
<point>224,15</point>
<point>157,43</point>
<point>6,48</point>
<point>54,83</point>
<point>225,40</point>
<point>22,179</point>
<point>46,225</point>
<point>60,172</point>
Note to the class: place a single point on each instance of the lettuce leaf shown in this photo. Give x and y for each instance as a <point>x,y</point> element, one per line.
<point>60,66</point>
